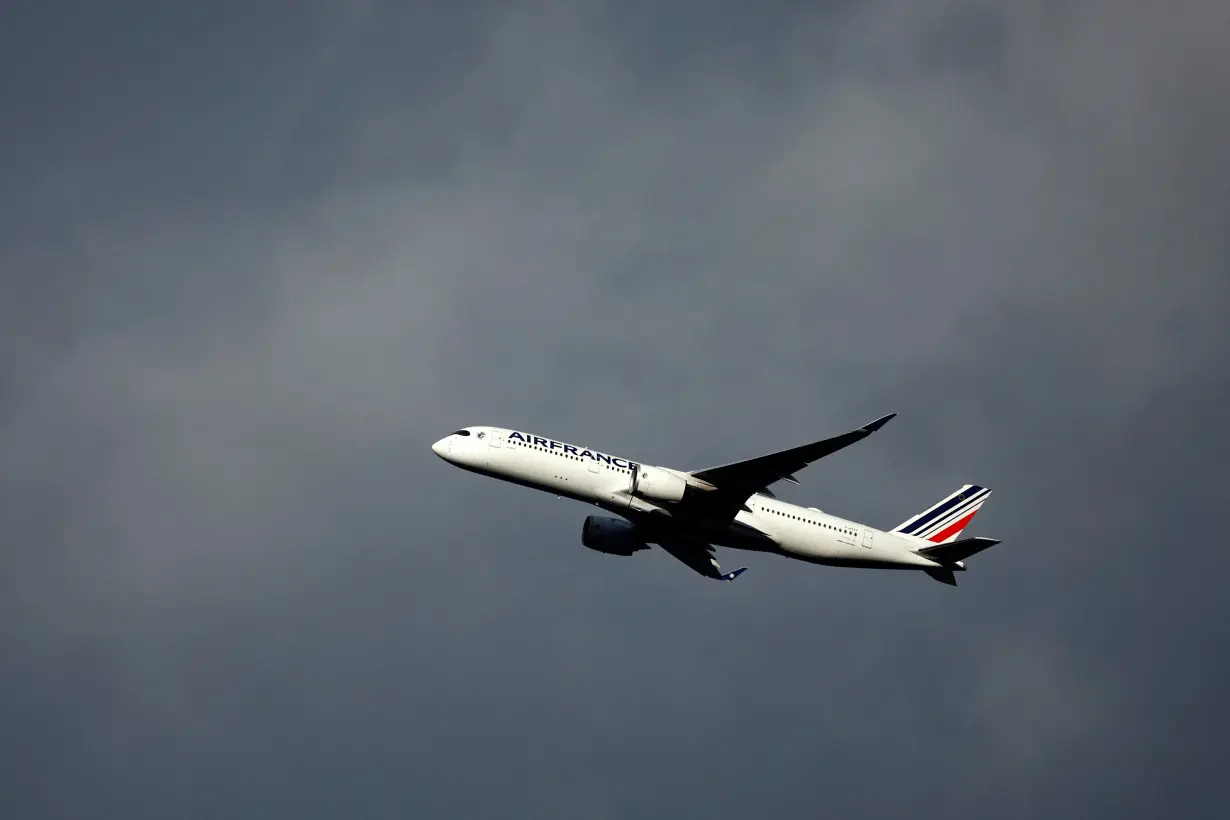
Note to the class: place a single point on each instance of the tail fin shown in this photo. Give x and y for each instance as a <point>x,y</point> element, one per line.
<point>942,523</point>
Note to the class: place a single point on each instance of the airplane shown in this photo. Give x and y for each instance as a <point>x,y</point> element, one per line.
<point>687,513</point>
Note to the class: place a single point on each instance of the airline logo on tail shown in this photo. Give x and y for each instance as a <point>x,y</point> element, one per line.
<point>944,522</point>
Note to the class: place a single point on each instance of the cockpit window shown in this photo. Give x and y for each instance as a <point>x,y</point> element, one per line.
<point>462,433</point>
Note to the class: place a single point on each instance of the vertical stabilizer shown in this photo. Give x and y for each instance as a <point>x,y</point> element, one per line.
<point>943,522</point>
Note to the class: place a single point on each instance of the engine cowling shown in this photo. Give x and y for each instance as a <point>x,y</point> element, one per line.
<point>657,484</point>
<point>614,536</point>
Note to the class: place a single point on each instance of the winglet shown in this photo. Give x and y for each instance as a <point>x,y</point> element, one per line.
<point>878,423</point>
<point>730,576</point>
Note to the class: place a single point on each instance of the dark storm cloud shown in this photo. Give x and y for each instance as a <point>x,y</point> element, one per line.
<point>257,258</point>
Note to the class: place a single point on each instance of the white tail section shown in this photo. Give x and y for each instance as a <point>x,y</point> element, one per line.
<point>943,522</point>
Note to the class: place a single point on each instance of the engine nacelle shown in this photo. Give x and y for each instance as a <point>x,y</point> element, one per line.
<point>657,484</point>
<point>614,536</point>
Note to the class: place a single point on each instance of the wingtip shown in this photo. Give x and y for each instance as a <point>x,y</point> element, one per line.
<point>730,576</point>
<point>880,422</point>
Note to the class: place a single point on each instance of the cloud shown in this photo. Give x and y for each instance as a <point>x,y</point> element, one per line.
<point>235,322</point>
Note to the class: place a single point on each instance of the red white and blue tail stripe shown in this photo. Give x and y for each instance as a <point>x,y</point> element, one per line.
<point>943,522</point>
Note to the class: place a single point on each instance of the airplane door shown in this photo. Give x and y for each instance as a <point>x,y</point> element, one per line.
<point>869,536</point>
<point>495,441</point>
<point>593,465</point>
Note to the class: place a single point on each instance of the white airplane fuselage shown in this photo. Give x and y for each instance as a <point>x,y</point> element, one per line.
<point>765,523</point>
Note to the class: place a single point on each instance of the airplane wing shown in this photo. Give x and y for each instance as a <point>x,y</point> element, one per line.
<point>733,484</point>
<point>698,555</point>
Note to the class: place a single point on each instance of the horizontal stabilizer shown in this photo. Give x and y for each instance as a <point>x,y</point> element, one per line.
<point>955,551</point>
<point>943,575</point>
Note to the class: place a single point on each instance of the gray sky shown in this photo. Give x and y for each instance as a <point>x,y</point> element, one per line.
<point>257,256</point>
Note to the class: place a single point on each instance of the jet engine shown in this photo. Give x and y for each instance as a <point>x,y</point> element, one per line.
<point>614,536</point>
<point>657,484</point>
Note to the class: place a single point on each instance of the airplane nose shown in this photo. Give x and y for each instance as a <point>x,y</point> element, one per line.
<point>440,447</point>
